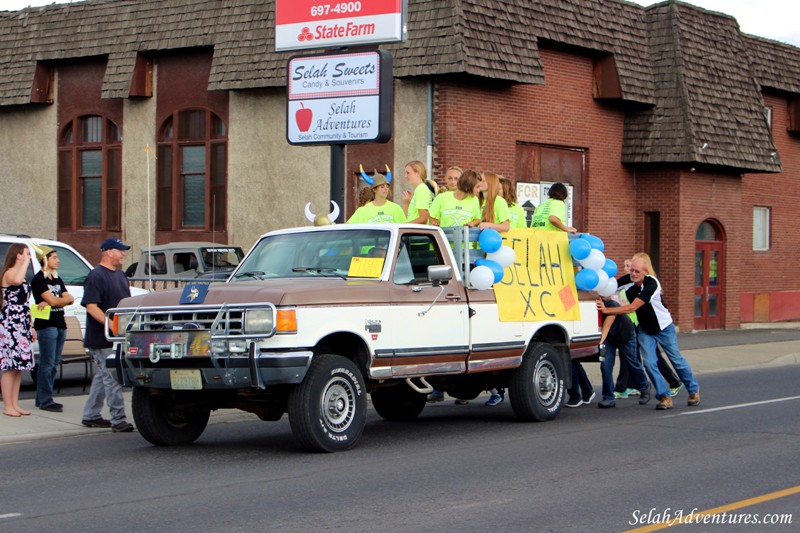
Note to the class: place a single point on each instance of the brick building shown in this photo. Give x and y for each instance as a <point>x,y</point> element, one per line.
<point>679,134</point>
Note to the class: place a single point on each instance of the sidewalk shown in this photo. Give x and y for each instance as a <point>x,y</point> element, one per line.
<point>723,357</point>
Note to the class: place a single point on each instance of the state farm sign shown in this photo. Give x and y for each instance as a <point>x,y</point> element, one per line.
<point>303,24</point>
<point>340,98</point>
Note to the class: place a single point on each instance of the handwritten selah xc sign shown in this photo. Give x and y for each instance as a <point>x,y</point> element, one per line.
<point>540,284</point>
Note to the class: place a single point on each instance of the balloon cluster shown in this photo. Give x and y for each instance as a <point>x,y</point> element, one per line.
<point>490,270</point>
<point>598,272</point>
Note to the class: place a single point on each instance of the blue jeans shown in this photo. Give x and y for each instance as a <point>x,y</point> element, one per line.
<point>581,387</point>
<point>104,387</point>
<point>51,342</point>
<point>628,351</point>
<point>668,340</point>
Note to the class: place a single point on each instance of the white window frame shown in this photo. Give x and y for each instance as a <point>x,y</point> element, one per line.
<point>761,226</point>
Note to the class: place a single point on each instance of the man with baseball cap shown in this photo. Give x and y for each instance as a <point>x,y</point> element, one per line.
<point>105,286</point>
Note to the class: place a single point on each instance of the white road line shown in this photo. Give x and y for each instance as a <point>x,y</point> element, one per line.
<point>10,515</point>
<point>739,406</point>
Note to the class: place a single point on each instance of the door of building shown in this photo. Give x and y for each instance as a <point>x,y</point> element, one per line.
<point>709,266</point>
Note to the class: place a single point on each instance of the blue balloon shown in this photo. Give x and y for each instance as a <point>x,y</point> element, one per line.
<point>610,268</point>
<point>586,279</point>
<point>494,266</point>
<point>490,241</point>
<point>594,242</point>
<point>579,248</point>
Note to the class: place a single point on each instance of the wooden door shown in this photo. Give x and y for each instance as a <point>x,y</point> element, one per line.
<point>708,280</point>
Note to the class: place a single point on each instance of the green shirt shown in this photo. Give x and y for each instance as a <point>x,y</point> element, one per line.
<point>541,216</point>
<point>450,211</point>
<point>517,216</point>
<point>500,210</point>
<point>421,200</point>
<point>370,213</point>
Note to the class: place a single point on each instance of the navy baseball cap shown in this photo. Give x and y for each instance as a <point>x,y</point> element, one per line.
<point>112,243</point>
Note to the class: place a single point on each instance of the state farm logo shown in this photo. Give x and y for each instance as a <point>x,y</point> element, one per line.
<point>305,35</point>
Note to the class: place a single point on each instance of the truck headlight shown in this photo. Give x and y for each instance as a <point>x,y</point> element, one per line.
<point>120,323</point>
<point>259,321</point>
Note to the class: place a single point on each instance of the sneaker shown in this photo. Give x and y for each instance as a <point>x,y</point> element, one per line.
<point>694,399</point>
<point>461,402</point>
<point>606,404</point>
<point>675,390</point>
<point>621,395</point>
<point>644,397</point>
<point>53,408</point>
<point>435,396</point>
<point>494,399</point>
<point>588,400</point>
<point>665,403</point>
<point>574,403</point>
<point>96,423</point>
<point>122,427</point>
<point>632,392</point>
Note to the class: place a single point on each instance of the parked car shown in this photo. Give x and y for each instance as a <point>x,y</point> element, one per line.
<point>74,269</point>
<point>173,260</point>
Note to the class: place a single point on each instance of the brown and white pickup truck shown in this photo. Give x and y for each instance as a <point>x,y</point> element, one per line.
<point>316,318</point>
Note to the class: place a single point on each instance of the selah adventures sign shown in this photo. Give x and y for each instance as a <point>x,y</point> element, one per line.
<point>340,98</point>
<point>304,24</point>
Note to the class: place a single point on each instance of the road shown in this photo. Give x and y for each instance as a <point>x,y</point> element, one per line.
<point>456,468</point>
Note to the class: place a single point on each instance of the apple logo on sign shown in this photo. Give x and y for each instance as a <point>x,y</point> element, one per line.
<point>303,117</point>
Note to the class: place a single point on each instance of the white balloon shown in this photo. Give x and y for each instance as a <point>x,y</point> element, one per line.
<point>602,280</point>
<point>609,289</point>
<point>594,261</point>
<point>481,277</point>
<point>505,256</point>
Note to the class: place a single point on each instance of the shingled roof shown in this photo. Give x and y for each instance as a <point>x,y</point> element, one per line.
<point>686,66</point>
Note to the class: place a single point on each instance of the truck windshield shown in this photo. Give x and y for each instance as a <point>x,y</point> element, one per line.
<point>227,257</point>
<point>315,254</point>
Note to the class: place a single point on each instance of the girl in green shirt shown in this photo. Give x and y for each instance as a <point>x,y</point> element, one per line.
<point>380,209</point>
<point>516,213</point>
<point>495,209</point>
<point>459,207</point>
<point>417,204</point>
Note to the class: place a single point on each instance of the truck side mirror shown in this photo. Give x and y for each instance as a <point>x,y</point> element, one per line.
<point>439,274</point>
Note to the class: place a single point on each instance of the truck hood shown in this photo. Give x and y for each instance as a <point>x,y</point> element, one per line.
<point>286,292</point>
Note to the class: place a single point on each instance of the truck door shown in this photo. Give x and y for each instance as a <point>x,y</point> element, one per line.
<point>429,337</point>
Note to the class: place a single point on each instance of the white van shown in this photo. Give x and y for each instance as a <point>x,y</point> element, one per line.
<point>73,269</point>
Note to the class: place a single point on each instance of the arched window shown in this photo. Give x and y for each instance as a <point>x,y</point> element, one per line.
<point>707,232</point>
<point>192,169</point>
<point>89,174</point>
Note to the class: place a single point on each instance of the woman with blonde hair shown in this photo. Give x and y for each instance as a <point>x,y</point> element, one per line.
<point>516,214</point>
<point>16,332</point>
<point>417,204</point>
<point>451,176</point>
<point>495,208</point>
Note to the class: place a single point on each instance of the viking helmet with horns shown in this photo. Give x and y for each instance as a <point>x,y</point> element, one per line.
<point>322,219</point>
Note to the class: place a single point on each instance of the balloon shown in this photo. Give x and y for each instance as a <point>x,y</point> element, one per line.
<point>594,261</point>
<point>494,266</point>
<point>594,242</point>
<point>610,268</point>
<point>586,279</point>
<point>609,289</point>
<point>602,280</point>
<point>490,240</point>
<point>579,248</point>
<point>481,277</point>
<point>505,256</point>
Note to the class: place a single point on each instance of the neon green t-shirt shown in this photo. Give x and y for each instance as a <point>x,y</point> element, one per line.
<point>517,216</point>
<point>450,211</point>
<point>500,210</point>
<point>370,213</point>
<point>541,216</point>
<point>421,200</point>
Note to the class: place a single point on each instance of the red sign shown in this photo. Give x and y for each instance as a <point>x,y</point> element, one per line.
<point>302,24</point>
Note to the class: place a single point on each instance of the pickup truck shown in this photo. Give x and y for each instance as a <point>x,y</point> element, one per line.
<point>178,261</point>
<point>316,318</point>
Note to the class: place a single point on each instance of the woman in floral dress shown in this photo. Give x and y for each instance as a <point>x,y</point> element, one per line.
<point>16,331</point>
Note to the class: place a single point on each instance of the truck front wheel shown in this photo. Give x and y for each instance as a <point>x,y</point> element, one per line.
<point>537,387</point>
<point>163,422</point>
<point>328,410</point>
<point>398,402</point>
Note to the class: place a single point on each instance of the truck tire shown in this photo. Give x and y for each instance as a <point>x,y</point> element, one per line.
<point>160,422</point>
<point>537,387</point>
<point>398,402</point>
<point>328,410</point>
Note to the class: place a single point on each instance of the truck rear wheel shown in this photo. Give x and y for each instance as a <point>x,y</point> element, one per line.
<point>328,410</point>
<point>537,386</point>
<point>398,402</point>
<point>161,422</point>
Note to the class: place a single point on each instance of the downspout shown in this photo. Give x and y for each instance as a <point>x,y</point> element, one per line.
<point>429,127</point>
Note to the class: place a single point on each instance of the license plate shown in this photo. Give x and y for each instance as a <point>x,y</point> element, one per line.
<point>185,379</point>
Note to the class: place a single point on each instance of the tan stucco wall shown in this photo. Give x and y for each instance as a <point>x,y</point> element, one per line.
<point>28,171</point>
<point>410,116</point>
<point>269,181</point>
<point>139,132</point>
